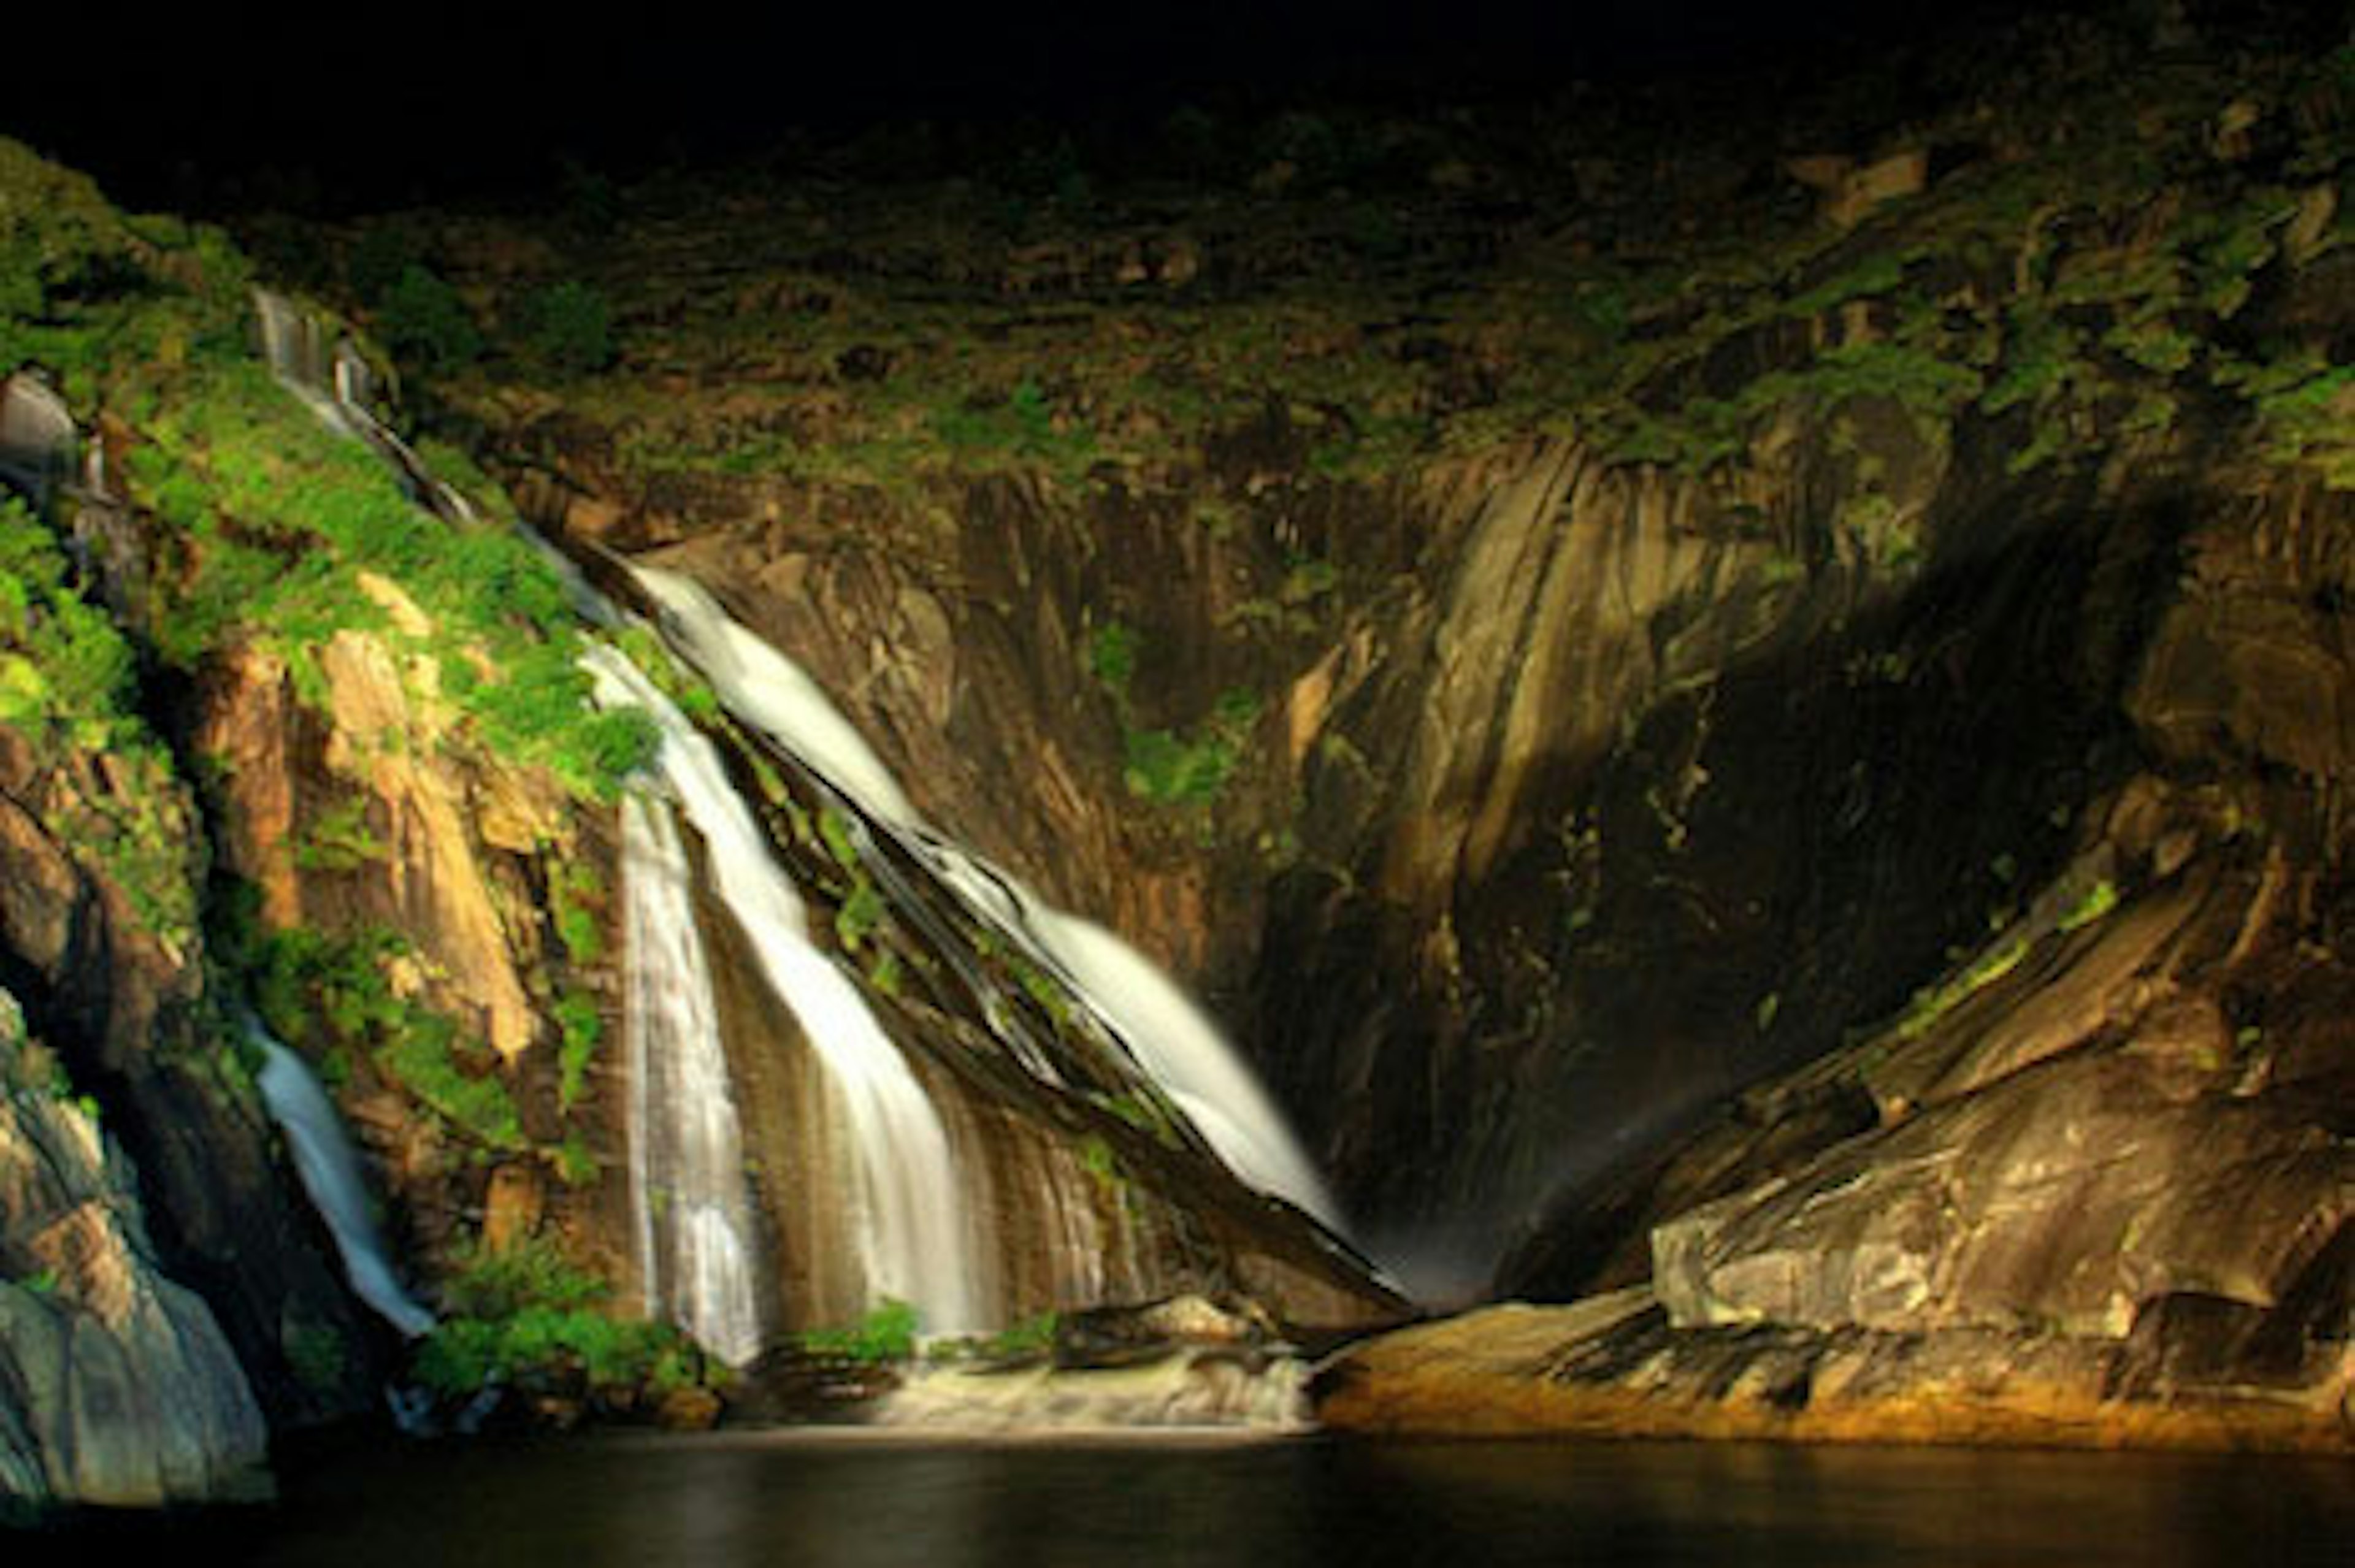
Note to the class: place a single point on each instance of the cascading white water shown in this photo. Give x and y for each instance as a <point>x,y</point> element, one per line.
<point>686,1152</point>
<point>1169,1038</point>
<point>311,358</point>
<point>767,691</point>
<point>330,1172</point>
<point>1185,1054</point>
<point>1187,1390</point>
<point>906,1204</point>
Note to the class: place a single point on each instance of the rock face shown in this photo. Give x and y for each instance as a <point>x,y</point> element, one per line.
<point>117,1386</point>
<point>110,976</point>
<point>1613,1366</point>
<point>1810,788</point>
<point>1865,852</point>
<point>2092,1185</point>
<point>1611,745</point>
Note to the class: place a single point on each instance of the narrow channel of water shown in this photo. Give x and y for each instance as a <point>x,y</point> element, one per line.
<point>866,1501</point>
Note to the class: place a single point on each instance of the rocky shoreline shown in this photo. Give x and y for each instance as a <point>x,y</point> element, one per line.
<point>1613,1367</point>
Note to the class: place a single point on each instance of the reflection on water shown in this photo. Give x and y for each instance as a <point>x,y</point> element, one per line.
<point>813,1502</point>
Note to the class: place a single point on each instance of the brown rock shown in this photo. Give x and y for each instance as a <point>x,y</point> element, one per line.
<point>688,1409</point>
<point>116,1385</point>
<point>512,1206</point>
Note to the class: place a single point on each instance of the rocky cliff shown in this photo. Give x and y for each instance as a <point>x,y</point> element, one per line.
<point>1748,725</point>
<point>1756,740</point>
<point>292,726</point>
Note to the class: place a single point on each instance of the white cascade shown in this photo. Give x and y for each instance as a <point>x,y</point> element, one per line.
<point>330,1171</point>
<point>1167,1035</point>
<point>906,1205</point>
<point>1184,1053</point>
<point>311,357</point>
<point>1190,1389</point>
<point>694,1217</point>
<point>767,691</point>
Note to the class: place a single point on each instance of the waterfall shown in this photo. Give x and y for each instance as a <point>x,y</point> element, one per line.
<point>330,1172</point>
<point>312,357</point>
<point>686,1153</point>
<point>1167,1035</point>
<point>1183,1053</point>
<point>905,1210</point>
<point>906,1205</point>
<point>767,691</point>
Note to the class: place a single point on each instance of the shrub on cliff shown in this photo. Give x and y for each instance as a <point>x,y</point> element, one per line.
<point>526,1316</point>
<point>425,322</point>
<point>571,326</point>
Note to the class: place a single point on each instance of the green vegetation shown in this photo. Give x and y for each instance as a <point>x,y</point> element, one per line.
<point>339,839</point>
<point>1174,769</point>
<point>269,519</point>
<point>1168,767</point>
<point>316,1355</point>
<point>67,686</point>
<point>888,1333</point>
<point>2090,906</point>
<point>860,915</point>
<point>1112,657</point>
<point>323,993</point>
<point>1321,281</point>
<point>282,517</point>
<point>569,326</point>
<point>525,1314</point>
<point>581,1028</point>
<point>1934,1002</point>
<point>424,321</point>
<point>574,888</point>
<point>1143,1109</point>
<point>1028,1340</point>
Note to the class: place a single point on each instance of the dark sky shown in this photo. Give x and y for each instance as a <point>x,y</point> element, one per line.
<point>387,102</point>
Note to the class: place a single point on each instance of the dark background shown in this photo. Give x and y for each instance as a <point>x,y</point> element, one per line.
<point>202,109</point>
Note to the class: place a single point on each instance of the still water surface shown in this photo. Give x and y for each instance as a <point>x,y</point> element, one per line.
<point>800,1501</point>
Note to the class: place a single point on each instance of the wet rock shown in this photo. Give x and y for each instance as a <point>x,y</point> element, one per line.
<point>688,1409</point>
<point>1848,192</point>
<point>36,437</point>
<point>1114,1335</point>
<point>117,1386</point>
<point>1615,1367</point>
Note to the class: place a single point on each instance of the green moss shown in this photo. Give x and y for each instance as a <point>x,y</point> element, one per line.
<point>1146,1113</point>
<point>339,838</point>
<point>1173,769</point>
<point>1028,1340</point>
<point>318,991</point>
<point>888,1333</point>
<point>528,1316</point>
<point>573,888</point>
<point>835,832</point>
<point>581,1028</point>
<point>569,325</point>
<point>315,1353</point>
<point>1097,1158</point>
<point>425,1059</point>
<point>862,912</point>
<point>67,686</point>
<point>1111,656</point>
<point>1932,1003</point>
<point>2091,905</point>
